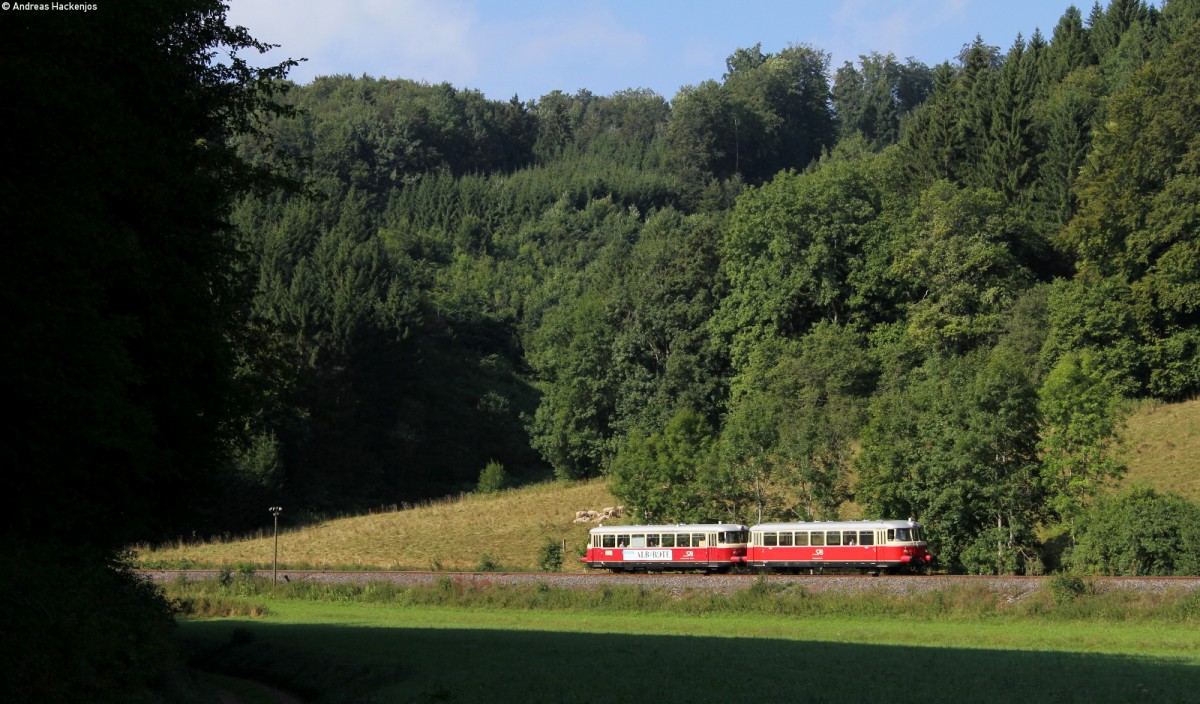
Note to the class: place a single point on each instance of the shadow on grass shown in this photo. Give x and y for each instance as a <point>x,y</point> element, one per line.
<point>359,664</point>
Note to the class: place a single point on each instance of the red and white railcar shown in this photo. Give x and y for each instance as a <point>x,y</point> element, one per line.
<point>708,547</point>
<point>868,546</point>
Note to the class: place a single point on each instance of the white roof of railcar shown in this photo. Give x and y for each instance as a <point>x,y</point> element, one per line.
<point>835,525</point>
<point>681,528</point>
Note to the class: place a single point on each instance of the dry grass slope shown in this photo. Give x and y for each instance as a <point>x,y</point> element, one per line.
<point>1164,448</point>
<point>451,534</point>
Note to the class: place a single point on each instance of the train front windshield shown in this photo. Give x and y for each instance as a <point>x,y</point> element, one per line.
<point>909,534</point>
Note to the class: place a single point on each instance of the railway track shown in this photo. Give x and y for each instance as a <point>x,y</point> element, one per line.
<point>677,583</point>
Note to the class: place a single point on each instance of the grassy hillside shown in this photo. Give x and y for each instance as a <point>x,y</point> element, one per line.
<point>512,526</point>
<point>1164,448</point>
<point>453,534</point>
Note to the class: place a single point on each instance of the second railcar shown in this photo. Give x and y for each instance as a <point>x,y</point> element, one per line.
<point>867,546</point>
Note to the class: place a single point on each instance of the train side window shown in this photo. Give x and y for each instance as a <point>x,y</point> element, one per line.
<point>833,537</point>
<point>637,541</point>
<point>785,539</point>
<point>802,538</point>
<point>652,540</point>
<point>683,540</point>
<point>850,537</point>
<point>866,537</point>
<point>698,540</point>
<point>891,534</point>
<point>622,541</point>
<point>668,540</point>
<point>608,541</point>
<point>770,539</point>
<point>818,538</point>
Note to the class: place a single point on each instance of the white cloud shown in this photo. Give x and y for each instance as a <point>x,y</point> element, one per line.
<point>448,40</point>
<point>430,39</point>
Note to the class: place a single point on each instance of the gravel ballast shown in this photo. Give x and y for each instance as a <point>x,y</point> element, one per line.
<point>1012,587</point>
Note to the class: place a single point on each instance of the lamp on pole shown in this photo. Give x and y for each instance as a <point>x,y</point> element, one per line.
<point>275,511</point>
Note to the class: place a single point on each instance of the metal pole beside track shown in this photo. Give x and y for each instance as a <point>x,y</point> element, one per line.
<point>275,511</point>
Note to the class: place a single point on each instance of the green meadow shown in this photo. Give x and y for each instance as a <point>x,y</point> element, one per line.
<point>628,644</point>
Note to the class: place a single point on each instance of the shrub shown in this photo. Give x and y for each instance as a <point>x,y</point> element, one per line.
<point>493,478</point>
<point>999,551</point>
<point>1139,532</point>
<point>1066,588</point>
<point>217,607</point>
<point>80,627</point>
<point>487,563</point>
<point>551,558</point>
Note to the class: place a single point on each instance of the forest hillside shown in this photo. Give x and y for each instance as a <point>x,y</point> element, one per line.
<point>925,291</point>
<point>511,529</point>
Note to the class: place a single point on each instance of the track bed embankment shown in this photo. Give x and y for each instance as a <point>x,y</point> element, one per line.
<point>1013,587</point>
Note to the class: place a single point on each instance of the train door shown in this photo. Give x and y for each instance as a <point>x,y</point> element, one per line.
<point>866,546</point>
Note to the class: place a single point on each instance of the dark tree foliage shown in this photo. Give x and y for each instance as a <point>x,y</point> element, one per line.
<point>622,128</point>
<point>123,290</point>
<point>872,98</point>
<point>1070,47</point>
<point>376,134</point>
<point>953,444</point>
<point>1064,123</point>
<point>704,137</point>
<point>787,116</point>
<point>1137,217</point>
<point>772,112</point>
<point>124,297</point>
<point>398,290</point>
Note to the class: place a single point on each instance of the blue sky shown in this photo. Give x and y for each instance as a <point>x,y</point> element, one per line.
<point>531,47</point>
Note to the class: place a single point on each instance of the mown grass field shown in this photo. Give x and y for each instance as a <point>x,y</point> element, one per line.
<point>452,534</point>
<point>760,646</point>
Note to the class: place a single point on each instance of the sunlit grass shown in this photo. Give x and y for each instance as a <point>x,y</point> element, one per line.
<point>1164,447</point>
<point>381,651</point>
<point>451,534</point>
